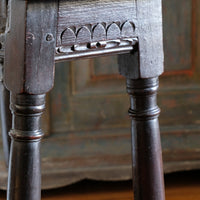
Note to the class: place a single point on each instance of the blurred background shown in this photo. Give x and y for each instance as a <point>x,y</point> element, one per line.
<point>87,127</point>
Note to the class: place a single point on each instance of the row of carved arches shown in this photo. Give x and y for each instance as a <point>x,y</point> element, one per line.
<point>98,32</point>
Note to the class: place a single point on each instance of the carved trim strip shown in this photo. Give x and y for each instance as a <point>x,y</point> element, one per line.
<point>94,49</point>
<point>96,45</point>
<point>97,39</point>
<point>97,32</point>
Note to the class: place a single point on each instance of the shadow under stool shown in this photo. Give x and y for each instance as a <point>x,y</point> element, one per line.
<point>39,33</point>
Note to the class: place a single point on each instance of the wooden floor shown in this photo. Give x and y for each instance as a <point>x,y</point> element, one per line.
<point>179,186</point>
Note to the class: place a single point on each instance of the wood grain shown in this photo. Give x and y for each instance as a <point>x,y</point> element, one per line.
<point>74,14</point>
<point>150,37</point>
<point>30,45</point>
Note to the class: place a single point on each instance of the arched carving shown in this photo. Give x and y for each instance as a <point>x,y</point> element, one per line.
<point>127,29</point>
<point>68,37</point>
<point>83,35</point>
<point>113,31</point>
<point>94,36</point>
<point>98,33</point>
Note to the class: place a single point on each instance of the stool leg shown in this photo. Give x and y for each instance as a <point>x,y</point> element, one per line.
<point>6,121</point>
<point>146,147</point>
<point>6,117</point>
<point>24,178</point>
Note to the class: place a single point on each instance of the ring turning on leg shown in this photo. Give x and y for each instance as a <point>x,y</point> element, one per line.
<point>146,148</point>
<point>24,181</point>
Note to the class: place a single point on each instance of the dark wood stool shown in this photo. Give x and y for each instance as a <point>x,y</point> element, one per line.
<point>40,32</point>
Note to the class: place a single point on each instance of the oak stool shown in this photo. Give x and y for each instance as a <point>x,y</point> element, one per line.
<point>37,33</point>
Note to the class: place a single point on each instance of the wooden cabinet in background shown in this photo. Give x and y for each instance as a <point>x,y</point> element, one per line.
<point>87,134</point>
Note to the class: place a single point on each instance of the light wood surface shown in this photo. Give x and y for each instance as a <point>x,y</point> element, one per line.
<point>179,186</point>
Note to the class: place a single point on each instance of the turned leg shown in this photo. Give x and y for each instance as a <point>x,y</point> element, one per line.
<point>6,121</point>
<point>146,148</point>
<point>141,68</point>
<point>28,75</point>
<point>24,178</point>
<point>6,117</point>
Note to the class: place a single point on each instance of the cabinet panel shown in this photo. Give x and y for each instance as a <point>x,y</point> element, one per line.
<point>178,26</point>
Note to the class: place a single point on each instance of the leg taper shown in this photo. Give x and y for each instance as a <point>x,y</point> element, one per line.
<point>6,117</point>
<point>24,181</point>
<point>146,148</point>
